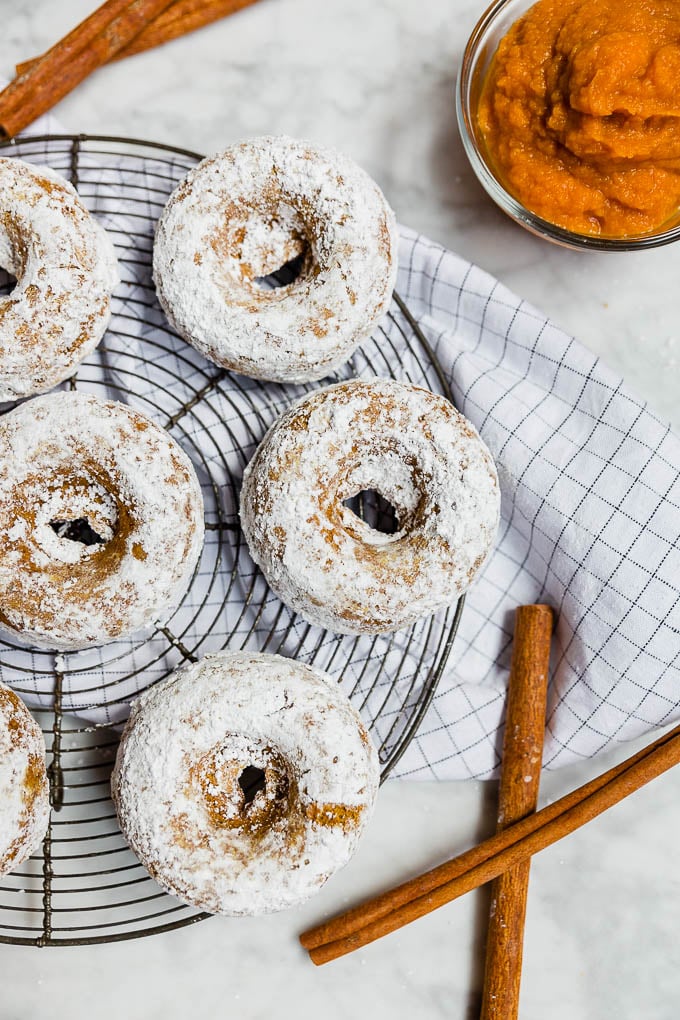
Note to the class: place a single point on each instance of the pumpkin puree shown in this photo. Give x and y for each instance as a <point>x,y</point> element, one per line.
<point>580,114</point>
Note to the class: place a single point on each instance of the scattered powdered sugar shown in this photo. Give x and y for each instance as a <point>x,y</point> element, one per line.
<point>208,838</point>
<point>417,452</point>
<point>65,268</point>
<point>72,457</point>
<point>245,213</point>
<point>24,790</point>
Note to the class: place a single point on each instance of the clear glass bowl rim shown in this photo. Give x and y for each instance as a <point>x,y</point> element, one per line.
<point>486,177</point>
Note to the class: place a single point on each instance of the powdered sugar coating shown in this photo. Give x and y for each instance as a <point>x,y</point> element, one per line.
<point>65,268</point>
<point>71,456</point>
<point>244,213</point>
<point>413,448</point>
<point>184,813</point>
<point>24,790</point>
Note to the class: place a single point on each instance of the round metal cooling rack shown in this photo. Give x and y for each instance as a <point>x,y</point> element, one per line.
<point>86,886</point>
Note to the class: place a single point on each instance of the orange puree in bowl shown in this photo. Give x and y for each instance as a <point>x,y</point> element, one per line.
<point>580,114</point>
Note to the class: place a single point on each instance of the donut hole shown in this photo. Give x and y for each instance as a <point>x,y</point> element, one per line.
<point>371,507</point>
<point>7,283</point>
<point>77,517</point>
<point>78,530</point>
<point>12,255</point>
<point>252,781</point>
<point>267,250</point>
<point>379,497</point>
<point>243,784</point>
<point>288,273</point>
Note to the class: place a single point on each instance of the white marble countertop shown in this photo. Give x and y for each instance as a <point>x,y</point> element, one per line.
<point>376,79</point>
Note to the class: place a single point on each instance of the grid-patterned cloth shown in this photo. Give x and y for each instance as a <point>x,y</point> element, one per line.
<point>590,524</point>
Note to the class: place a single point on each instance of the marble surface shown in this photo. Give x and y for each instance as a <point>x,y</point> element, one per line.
<point>376,79</point>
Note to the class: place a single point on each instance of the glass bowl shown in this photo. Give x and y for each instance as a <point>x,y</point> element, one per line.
<point>480,49</point>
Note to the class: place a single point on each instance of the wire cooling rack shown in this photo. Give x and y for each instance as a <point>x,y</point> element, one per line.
<point>86,886</point>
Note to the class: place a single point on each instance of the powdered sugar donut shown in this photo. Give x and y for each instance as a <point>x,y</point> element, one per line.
<point>246,212</point>
<point>418,453</point>
<point>24,790</point>
<point>101,521</point>
<point>244,781</point>
<point>65,269</point>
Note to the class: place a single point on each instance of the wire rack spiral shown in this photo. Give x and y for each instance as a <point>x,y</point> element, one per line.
<point>86,886</point>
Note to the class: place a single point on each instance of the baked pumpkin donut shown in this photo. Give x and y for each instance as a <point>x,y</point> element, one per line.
<point>403,442</point>
<point>101,521</point>
<point>244,781</point>
<point>65,269</point>
<point>24,790</point>
<point>244,213</point>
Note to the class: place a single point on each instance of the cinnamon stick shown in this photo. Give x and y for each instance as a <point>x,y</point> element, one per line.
<point>505,849</point>
<point>91,44</point>
<point>517,797</point>
<point>180,18</point>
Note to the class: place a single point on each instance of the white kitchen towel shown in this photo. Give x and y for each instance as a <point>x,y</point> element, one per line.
<point>590,524</point>
<point>590,518</point>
